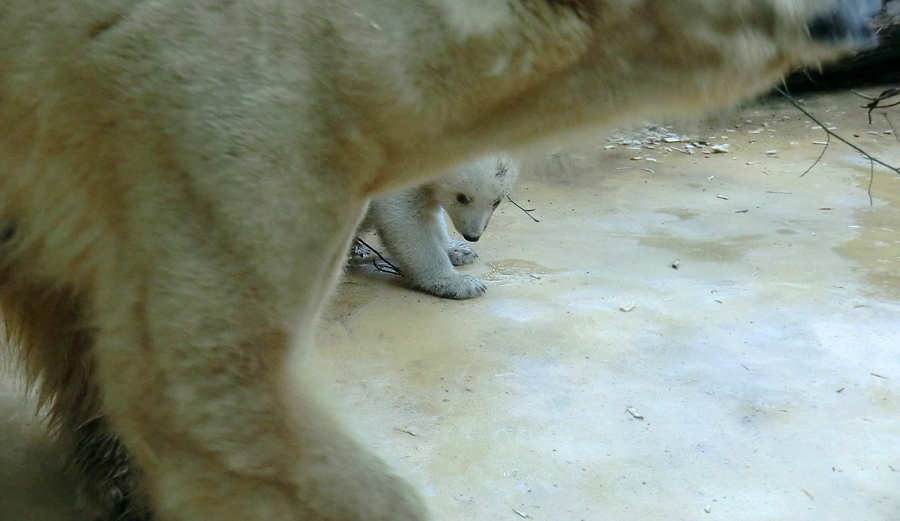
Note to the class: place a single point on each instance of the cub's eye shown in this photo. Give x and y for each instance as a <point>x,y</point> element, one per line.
<point>462,199</point>
<point>496,203</point>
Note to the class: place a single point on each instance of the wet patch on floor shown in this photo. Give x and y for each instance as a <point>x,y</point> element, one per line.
<point>514,271</point>
<point>877,243</point>
<point>682,213</point>
<point>728,249</point>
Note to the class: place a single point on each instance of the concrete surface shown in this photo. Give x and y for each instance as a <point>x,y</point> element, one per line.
<point>765,368</point>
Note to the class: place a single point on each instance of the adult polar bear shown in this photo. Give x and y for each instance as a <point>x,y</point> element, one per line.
<point>180,179</point>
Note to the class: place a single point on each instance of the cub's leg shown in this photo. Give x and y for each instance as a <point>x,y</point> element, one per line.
<point>417,239</point>
<point>49,331</point>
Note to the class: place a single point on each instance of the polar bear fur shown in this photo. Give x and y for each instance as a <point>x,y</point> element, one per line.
<point>410,224</point>
<point>180,179</point>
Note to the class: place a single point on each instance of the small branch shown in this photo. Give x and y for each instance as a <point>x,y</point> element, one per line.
<point>874,103</point>
<point>871,180</point>
<point>824,149</point>
<point>844,141</point>
<point>393,270</point>
<point>527,212</point>
<point>894,132</point>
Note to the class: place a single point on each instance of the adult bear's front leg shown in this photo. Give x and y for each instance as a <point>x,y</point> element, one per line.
<point>199,359</point>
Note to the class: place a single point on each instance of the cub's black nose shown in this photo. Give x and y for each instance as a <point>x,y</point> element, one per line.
<point>472,238</point>
<point>848,23</point>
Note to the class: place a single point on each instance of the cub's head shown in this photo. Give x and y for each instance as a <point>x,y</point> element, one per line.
<point>470,193</point>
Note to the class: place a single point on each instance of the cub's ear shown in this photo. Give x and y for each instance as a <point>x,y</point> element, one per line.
<point>502,168</point>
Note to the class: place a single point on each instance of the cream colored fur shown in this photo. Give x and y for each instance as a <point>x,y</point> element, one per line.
<point>179,180</point>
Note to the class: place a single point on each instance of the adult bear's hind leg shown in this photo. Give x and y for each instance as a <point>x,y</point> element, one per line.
<point>48,331</point>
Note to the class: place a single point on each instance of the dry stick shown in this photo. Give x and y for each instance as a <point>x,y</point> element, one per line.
<point>871,180</point>
<point>885,94</point>
<point>894,132</point>
<point>824,149</point>
<point>874,101</point>
<point>842,140</point>
<point>396,270</point>
<point>527,212</point>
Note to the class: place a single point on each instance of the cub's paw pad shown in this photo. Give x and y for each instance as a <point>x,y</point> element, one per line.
<point>460,287</point>
<point>461,253</point>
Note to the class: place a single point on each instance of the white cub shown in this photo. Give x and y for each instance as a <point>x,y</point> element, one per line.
<point>412,228</point>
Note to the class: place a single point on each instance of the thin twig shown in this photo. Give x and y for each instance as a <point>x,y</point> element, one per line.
<point>874,101</point>
<point>394,270</point>
<point>825,148</point>
<point>871,181</point>
<point>893,132</point>
<point>527,212</point>
<point>839,138</point>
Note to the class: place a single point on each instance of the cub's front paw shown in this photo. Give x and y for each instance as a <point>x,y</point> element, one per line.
<point>458,287</point>
<point>461,253</point>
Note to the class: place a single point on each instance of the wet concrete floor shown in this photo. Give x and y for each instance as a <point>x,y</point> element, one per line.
<point>758,380</point>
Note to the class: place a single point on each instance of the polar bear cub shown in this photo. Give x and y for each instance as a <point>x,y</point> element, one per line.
<point>412,228</point>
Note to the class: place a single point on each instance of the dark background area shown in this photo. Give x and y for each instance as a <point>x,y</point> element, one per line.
<point>880,66</point>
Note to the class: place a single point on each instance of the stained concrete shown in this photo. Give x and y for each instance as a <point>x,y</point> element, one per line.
<point>762,375</point>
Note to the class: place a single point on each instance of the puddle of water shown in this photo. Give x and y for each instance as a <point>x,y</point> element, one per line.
<point>877,246</point>
<point>514,271</point>
<point>682,213</point>
<point>729,249</point>
<point>518,310</point>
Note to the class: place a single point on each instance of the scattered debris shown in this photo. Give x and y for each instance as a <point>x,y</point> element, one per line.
<point>707,509</point>
<point>675,264</point>
<point>637,416</point>
<point>840,390</point>
<point>879,376</point>
<point>720,149</point>
<point>720,196</point>
<point>627,307</point>
<point>411,433</point>
<point>521,514</point>
<point>771,152</point>
<point>810,496</point>
<point>647,138</point>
